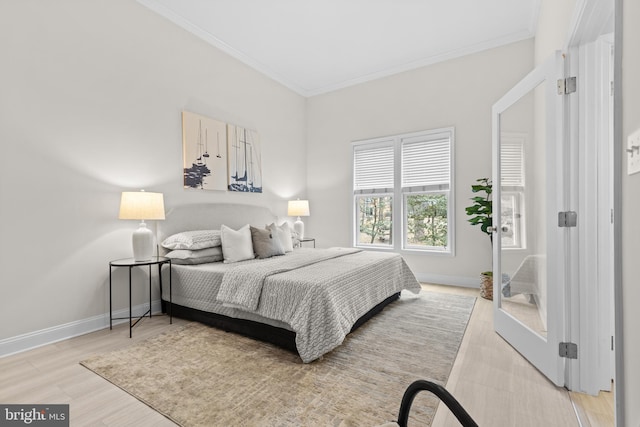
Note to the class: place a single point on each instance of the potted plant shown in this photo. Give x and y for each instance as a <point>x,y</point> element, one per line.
<point>480,213</point>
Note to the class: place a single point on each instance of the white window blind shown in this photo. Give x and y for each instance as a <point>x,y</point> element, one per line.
<point>512,163</point>
<point>426,163</point>
<point>373,169</point>
<point>397,182</point>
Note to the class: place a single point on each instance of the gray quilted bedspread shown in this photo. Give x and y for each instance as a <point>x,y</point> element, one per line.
<point>319,293</point>
<point>241,286</point>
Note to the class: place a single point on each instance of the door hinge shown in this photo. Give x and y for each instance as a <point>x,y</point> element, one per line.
<point>566,86</point>
<point>569,350</point>
<point>567,219</point>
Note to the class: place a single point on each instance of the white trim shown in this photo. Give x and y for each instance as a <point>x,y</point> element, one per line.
<point>31,340</point>
<point>312,91</point>
<point>224,47</point>
<point>535,15</point>
<point>589,309</point>
<point>592,295</point>
<point>590,20</point>
<point>572,303</point>
<point>605,222</point>
<point>435,59</point>
<point>619,395</point>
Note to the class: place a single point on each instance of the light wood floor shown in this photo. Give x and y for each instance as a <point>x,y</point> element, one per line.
<point>498,387</point>
<point>492,381</point>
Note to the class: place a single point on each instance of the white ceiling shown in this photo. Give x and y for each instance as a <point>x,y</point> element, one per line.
<point>316,46</point>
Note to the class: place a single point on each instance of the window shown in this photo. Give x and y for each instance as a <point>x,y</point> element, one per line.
<point>403,187</point>
<point>374,220</point>
<point>373,189</point>
<point>512,197</point>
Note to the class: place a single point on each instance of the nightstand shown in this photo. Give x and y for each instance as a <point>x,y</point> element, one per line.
<point>130,262</point>
<point>308,239</point>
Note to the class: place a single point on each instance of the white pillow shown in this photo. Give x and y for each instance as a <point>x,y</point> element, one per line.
<point>236,245</point>
<point>193,240</point>
<point>200,256</point>
<point>283,233</point>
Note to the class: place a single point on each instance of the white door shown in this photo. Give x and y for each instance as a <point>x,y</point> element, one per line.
<point>529,247</point>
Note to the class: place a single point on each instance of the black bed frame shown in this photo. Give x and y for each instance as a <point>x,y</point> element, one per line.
<point>272,334</point>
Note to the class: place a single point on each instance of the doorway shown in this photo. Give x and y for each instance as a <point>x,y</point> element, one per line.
<point>583,320</point>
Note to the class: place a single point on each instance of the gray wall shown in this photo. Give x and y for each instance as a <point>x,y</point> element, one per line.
<point>458,93</point>
<point>91,101</point>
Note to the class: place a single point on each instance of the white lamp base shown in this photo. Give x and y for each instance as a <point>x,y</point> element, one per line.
<point>298,227</point>
<point>142,240</point>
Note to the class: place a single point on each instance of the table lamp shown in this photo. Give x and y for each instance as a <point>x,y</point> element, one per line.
<point>142,205</point>
<point>298,208</point>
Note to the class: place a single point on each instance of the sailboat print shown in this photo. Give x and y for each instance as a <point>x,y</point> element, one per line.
<point>206,143</point>
<point>246,175</point>
<point>195,175</point>
<point>203,170</point>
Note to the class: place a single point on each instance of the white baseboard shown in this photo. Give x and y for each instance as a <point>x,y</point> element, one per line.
<point>465,282</point>
<point>54,334</point>
<point>31,340</point>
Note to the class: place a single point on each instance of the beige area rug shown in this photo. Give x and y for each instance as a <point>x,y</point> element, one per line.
<point>201,376</point>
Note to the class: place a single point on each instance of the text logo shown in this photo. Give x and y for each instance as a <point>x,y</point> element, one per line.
<point>34,415</point>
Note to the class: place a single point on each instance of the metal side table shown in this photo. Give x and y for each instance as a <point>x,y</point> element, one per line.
<point>131,263</point>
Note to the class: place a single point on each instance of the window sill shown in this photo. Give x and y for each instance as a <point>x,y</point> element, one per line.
<point>405,251</point>
<point>408,251</point>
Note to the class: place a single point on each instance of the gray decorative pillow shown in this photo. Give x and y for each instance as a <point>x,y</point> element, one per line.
<point>200,256</point>
<point>194,240</point>
<point>284,234</point>
<point>265,244</point>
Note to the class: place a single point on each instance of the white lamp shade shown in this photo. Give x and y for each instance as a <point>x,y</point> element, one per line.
<point>298,208</point>
<point>142,205</point>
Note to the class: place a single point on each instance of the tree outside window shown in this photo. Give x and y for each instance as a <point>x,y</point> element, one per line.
<point>375,220</point>
<point>427,222</point>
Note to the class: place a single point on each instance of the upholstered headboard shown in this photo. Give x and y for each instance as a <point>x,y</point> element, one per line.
<point>211,216</point>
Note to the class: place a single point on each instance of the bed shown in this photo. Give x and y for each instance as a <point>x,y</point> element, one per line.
<point>306,300</point>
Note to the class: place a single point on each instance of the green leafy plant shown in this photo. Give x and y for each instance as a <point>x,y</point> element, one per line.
<point>480,213</point>
<point>482,208</point>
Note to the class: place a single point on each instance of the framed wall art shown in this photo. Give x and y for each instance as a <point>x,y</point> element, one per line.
<point>245,160</point>
<point>204,152</point>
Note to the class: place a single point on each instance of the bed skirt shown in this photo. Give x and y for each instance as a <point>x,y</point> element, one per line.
<point>280,337</point>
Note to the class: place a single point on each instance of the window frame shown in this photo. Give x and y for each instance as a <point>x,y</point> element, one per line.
<point>399,221</point>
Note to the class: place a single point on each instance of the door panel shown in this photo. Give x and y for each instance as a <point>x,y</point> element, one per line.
<point>523,267</point>
<point>529,248</point>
